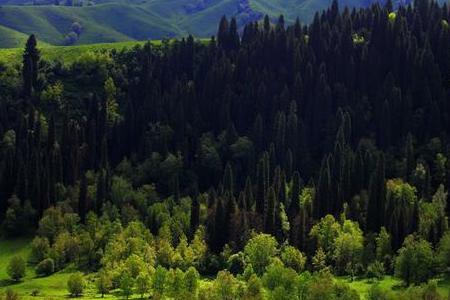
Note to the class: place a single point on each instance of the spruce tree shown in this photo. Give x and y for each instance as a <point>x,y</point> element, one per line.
<point>30,66</point>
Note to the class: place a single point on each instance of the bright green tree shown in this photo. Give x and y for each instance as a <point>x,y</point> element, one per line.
<point>103,283</point>
<point>159,280</point>
<point>75,285</point>
<point>259,251</point>
<point>16,268</point>
<point>415,261</point>
<point>126,284</point>
<point>143,283</point>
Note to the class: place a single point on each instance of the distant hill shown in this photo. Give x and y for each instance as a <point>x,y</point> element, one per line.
<point>104,21</point>
<point>11,38</point>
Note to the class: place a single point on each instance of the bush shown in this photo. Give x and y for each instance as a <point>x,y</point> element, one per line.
<point>377,293</point>
<point>70,38</point>
<point>103,283</point>
<point>236,263</point>
<point>293,258</point>
<point>16,268</point>
<point>126,284</point>
<point>260,251</point>
<point>46,267</point>
<point>75,285</point>
<point>415,262</point>
<point>40,248</point>
<point>375,270</point>
<point>10,295</point>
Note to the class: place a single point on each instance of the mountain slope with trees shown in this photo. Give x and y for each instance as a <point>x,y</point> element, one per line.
<point>120,20</point>
<point>269,161</point>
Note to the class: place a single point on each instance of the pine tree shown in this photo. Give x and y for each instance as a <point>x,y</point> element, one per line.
<point>82,200</point>
<point>223,35</point>
<point>101,191</point>
<point>30,66</point>
<point>266,24</point>
<point>294,207</point>
<point>234,35</point>
<point>269,219</point>
<point>261,187</point>
<point>195,215</point>
<point>248,196</point>
<point>228,180</point>
<point>377,194</point>
<point>220,232</point>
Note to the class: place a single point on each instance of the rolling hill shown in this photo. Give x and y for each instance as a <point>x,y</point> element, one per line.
<point>106,21</point>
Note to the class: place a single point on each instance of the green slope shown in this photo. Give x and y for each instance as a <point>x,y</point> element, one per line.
<point>118,20</point>
<point>129,20</point>
<point>101,23</point>
<point>205,22</point>
<point>68,54</point>
<point>10,38</point>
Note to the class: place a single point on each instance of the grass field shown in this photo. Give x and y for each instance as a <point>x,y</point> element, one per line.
<point>391,283</point>
<point>68,54</point>
<point>51,287</point>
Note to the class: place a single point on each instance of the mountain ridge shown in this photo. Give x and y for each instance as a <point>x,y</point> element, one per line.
<point>127,20</point>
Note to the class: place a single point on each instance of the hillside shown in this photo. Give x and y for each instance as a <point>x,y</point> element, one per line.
<point>108,21</point>
<point>10,38</point>
<point>67,54</point>
<point>281,162</point>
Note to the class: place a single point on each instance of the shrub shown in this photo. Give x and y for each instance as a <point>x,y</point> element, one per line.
<point>375,270</point>
<point>259,252</point>
<point>236,263</point>
<point>16,268</point>
<point>40,248</point>
<point>70,38</point>
<point>103,283</point>
<point>293,258</point>
<point>415,262</point>
<point>126,285</point>
<point>46,267</point>
<point>75,285</point>
<point>10,295</point>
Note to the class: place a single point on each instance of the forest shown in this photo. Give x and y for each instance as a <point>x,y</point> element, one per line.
<point>270,163</point>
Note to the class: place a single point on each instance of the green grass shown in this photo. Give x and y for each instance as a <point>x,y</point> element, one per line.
<point>362,286</point>
<point>51,287</point>
<point>10,38</point>
<point>110,22</point>
<point>68,54</point>
<point>9,249</point>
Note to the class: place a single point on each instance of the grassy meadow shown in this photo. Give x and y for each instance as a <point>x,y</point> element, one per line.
<point>67,54</point>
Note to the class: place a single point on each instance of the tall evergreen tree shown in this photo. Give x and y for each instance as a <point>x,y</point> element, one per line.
<point>30,66</point>
<point>82,200</point>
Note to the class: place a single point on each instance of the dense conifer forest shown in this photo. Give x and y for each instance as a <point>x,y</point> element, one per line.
<point>262,164</point>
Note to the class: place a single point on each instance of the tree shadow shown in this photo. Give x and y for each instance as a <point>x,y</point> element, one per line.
<point>8,282</point>
<point>399,286</point>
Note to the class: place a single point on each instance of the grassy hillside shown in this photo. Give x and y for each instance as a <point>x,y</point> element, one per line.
<point>68,54</point>
<point>101,23</point>
<point>127,20</point>
<point>10,38</point>
<point>52,287</point>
